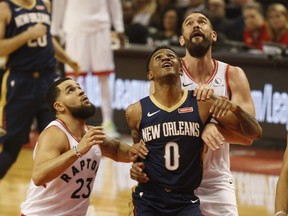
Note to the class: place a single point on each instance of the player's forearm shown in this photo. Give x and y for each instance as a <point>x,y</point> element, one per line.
<point>49,170</point>
<point>9,45</point>
<point>115,150</point>
<point>281,200</point>
<point>249,125</point>
<point>60,53</point>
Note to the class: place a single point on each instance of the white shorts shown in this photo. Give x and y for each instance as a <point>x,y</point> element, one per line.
<point>92,51</point>
<point>218,198</point>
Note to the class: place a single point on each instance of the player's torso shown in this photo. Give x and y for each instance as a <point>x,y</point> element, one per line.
<point>69,193</point>
<point>218,80</point>
<point>172,136</point>
<point>36,53</point>
<point>216,163</point>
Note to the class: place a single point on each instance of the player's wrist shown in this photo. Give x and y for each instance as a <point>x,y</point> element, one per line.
<point>76,151</point>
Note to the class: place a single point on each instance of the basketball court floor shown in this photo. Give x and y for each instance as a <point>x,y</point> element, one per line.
<point>255,175</point>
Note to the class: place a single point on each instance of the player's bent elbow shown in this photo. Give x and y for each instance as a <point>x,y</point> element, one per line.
<point>37,179</point>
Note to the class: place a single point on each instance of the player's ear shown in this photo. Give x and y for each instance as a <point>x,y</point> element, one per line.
<point>58,106</point>
<point>150,75</point>
<point>214,36</point>
<point>181,40</point>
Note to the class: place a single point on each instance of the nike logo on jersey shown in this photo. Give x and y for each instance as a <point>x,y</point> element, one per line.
<point>194,201</point>
<point>18,9</point>
<point>153,113</point>
<point>186,84</point>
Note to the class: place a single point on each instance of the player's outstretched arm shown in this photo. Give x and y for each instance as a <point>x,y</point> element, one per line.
<point>281,200</point>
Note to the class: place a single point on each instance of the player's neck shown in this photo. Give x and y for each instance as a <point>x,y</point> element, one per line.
<point>24,3</point>
<point>201,69</point>
<point>168,96</point>
<point>76,126</point>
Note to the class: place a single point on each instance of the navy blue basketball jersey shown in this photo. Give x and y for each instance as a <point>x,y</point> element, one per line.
<point>173,137</point>
<point>37,54</point>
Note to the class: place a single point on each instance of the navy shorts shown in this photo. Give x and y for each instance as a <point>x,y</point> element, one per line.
<point>152,200</point>
<point>24,98</point>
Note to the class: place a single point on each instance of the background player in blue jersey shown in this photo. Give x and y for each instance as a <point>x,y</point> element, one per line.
<point>170,122</point>
<point>30,52</point>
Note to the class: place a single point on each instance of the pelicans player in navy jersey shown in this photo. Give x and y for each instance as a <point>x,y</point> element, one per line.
<point>26,43</point>
<point>170,122</point>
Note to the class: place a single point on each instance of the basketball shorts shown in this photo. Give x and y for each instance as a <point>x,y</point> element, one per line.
<point>152,200</point>
<point>93,51</point>
<point>218,198</point>
<point>24,98</point>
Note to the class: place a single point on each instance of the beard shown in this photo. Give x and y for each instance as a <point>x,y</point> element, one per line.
<point>82,112</point>
<point>198,50</point>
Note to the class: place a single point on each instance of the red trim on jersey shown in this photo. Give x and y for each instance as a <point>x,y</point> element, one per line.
<point>22,215</point>
<point>75,75</point>
<point>227,82</point>
<point>101,73</point>
<point>84,74</point>
<point>189,74</point>
<point>70,132</point>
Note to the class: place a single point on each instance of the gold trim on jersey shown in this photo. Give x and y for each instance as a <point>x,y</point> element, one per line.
<point>3,95</point>
<point>170,109</point>
<point>28,5</point>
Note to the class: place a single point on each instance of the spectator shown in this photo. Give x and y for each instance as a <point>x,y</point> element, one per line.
<point>277,19</point>
<point>255,29</point>
<point>221,24</point>
<point>156,18</point>
<point>170,28</point>
<point>234,12</point>
<point>136,32</point>
<point>143,11</point>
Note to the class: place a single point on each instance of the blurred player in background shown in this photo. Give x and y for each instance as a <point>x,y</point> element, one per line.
<point>29,49</point>
<point>87,27</point>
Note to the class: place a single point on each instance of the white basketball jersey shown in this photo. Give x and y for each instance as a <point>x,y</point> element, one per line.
<point>216,163</point>
<point>69,193</point>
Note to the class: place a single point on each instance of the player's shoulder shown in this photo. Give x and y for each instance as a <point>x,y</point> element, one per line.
<point>5,9</point>
<point>135,107</point>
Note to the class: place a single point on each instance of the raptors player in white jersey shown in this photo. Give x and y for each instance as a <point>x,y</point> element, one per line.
<point>216,192</point>
<point>87,25</point>
<point>67,155</point>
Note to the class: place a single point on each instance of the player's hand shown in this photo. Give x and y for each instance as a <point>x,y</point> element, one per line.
<point>221,106</point>
<point>95,136</point>
<point>37,31</point>
<point>137,174</point>
<point>138,149</point>
<point>212,137</point>
<point>122,39</point>
<point>203,92</point>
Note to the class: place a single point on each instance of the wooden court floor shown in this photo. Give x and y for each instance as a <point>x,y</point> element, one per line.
<point>255,176</point>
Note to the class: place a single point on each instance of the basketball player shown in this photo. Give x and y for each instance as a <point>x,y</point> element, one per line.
<point>216,191</point>
<point>170,122</point>
<point>30,69</point>
<point>281,200</point>
<point>67,155</point>
<point>87,28</point>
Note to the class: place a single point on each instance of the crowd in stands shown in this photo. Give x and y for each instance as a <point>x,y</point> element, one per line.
<point>251,23</point>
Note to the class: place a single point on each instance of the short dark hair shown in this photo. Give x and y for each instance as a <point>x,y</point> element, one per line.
<point>54,92</point>
<point>155,50</point>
